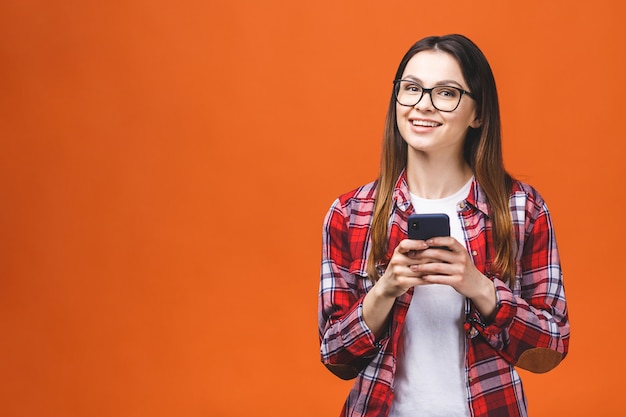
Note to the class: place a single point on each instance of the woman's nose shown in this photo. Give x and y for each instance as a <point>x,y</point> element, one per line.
<point>425,103</point>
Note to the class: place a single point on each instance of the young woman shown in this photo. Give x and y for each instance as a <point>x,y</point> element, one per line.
<point>435,328</point>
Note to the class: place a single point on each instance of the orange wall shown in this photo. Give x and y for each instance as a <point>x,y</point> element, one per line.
<point>165,168</point>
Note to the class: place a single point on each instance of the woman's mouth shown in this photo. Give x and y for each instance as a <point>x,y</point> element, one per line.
<point>425,123</point>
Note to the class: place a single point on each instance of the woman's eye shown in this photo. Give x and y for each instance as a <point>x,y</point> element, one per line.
<point>413,88</point>
<point>448,92</point>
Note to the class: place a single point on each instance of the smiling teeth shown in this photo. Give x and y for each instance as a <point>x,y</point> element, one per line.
<point>425,123</point>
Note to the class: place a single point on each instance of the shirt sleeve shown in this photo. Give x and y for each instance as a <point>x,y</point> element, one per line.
<point>347,344</point>
<point>531,327</point>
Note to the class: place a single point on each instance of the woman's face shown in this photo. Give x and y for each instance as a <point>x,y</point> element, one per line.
<point>423,127</point>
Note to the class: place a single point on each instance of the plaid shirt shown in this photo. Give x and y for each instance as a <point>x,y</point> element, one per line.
<point>530,329</point>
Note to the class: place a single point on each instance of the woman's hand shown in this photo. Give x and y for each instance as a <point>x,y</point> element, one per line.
<point>400,275</point>
<point>441,260</point>
<point>454,267</point>
<point>396,280</point>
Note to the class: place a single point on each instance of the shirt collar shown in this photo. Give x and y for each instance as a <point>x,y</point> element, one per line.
<point>476,197</point>
<point>401,196</point>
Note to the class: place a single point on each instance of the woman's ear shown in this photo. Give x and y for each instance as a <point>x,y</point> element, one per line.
<point>476,123</point>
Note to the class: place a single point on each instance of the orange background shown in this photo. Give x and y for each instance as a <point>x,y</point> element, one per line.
<point>165,168</point>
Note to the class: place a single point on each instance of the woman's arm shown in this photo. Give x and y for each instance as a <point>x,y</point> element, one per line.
<point>531,326</point>
<point>347,343</point>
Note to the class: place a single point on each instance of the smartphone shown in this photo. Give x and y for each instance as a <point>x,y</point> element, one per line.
<point>425,226</point>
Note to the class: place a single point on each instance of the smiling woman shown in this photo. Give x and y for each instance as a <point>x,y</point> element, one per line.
<point>436,327</point>
<point>438,123</point>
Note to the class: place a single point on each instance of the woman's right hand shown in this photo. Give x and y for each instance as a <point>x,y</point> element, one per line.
<point>398,276</point>
<point>396,280</point>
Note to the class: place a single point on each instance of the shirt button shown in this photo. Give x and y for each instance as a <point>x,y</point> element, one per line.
<point>462,205</point>
<point>474,253</point>
<point>467,223</point>
<point>473,332</point>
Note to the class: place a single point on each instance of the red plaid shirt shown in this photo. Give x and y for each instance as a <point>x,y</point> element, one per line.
<point>531,319</point>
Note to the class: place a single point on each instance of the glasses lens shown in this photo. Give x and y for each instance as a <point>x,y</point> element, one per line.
<point>443,98</point>
<point>408,93</point>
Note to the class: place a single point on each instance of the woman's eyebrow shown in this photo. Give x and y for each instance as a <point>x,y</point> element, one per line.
<point>438,83</point>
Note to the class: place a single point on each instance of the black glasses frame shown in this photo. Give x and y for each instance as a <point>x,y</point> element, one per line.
<point>396,87</point>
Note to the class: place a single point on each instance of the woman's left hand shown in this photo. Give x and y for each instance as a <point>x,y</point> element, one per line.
<point>454,267</point>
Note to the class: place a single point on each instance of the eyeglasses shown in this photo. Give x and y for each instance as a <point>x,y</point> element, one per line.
<point>444,98</point>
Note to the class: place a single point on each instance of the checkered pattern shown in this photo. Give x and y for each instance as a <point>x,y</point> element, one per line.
<point>532,315</point>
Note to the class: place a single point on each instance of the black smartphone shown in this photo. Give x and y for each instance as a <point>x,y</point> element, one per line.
<point>425,226</point>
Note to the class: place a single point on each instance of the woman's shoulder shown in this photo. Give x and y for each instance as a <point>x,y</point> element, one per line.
<point>355,206</point>
<point>521,187</point>
<point>365,194</point>
<point>525,195</point>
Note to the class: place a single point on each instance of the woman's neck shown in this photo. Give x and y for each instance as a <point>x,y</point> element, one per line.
<point>430,177</point>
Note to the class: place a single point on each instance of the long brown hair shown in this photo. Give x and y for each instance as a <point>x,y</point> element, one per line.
<point>482,151</point>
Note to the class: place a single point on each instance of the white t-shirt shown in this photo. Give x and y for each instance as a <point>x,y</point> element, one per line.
<point>430,376</point>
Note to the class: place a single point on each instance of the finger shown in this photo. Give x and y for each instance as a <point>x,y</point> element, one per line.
<point>407,246</point>
<point>432,268</point>
<point>438,254</point>
<point>424,260</point>
<point>433,254</point>
<point>444,242</point>
<point>416,255</point>
<point>436,279</point>
<point>412,280</point>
